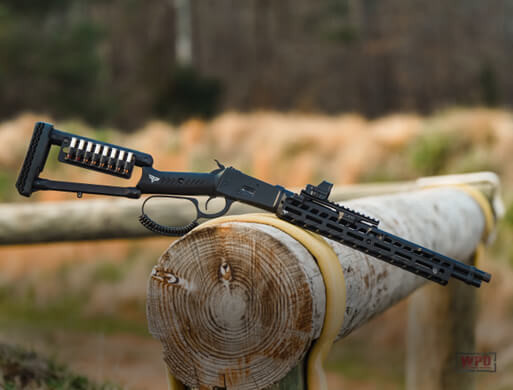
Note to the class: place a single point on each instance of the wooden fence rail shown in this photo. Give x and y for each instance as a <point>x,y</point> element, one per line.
<point>32,223</point>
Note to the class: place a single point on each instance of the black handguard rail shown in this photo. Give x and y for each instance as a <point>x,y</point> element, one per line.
<point>310,209</point>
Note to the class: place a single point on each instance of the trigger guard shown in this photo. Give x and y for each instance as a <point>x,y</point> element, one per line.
<point>150,224</point>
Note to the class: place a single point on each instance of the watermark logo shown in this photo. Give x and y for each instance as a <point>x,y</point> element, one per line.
<point>486,361</point>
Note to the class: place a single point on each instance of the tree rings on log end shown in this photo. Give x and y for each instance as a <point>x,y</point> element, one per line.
<point>233,306</point>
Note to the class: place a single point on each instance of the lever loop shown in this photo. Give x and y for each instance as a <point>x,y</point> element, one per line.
<point>176,231</point>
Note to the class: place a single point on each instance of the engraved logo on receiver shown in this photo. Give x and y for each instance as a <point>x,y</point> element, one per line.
<point>153,179</point>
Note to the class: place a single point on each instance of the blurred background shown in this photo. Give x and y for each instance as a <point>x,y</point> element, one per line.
<point>291,92</point>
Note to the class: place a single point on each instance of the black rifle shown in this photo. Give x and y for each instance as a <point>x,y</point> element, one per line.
<point>309,209</point>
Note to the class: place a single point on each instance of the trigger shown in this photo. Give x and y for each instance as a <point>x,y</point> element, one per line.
<point>208,200</point>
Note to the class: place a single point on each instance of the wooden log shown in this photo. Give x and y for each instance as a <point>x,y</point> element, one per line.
<point>117,218</point>
<point>237,290</point>
<point>238,305</point>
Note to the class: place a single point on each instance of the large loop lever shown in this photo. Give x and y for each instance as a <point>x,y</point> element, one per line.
<point>176,231</point>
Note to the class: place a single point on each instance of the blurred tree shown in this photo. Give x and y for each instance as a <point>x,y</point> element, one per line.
<point>115,62</point>
<point>489,87</point>
<point>143,75</point>
<point>48,60</point>
<point>108,62</point>
<point>330,21</point>
<point>185,94</point>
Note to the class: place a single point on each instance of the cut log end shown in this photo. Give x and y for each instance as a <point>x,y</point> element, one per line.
<point>229,302</point>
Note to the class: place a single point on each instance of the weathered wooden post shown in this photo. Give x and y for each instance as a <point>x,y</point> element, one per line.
<point>238,305</point>
<point>441,324</point>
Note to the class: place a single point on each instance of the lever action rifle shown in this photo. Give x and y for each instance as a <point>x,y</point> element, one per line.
<point>309,209</point>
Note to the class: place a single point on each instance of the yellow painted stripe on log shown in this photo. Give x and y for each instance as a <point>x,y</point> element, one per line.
<point>334,282</point>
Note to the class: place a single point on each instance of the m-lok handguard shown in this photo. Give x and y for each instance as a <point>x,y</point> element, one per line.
<point>309,209</point>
